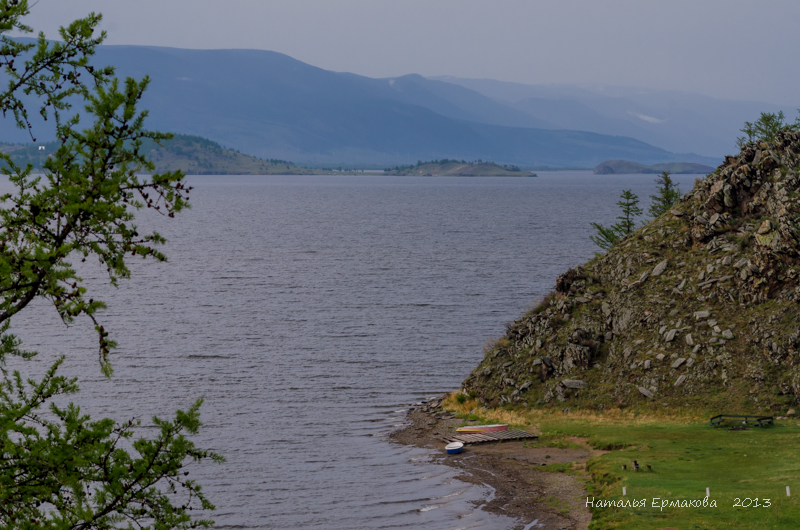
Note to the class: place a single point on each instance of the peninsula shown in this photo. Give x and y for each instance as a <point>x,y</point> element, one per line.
<point>199,156</point>
<point>194,155</point>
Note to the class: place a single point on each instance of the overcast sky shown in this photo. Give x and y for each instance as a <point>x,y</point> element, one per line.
<point>726,48</point>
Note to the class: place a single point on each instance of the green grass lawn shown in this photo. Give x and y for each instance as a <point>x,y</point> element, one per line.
<point>687,456</point>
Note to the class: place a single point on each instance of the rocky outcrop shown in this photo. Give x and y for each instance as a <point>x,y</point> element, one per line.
<point>700,304</point>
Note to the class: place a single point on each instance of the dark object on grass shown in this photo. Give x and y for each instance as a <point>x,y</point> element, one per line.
<point>649,468</point>
<point>624,467</point>
<point>761,421</point>
<point>635,465</point>
<point>739,428</point>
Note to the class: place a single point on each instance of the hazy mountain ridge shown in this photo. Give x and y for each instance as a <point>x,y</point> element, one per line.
<point>272,106</point>
<point>676,121</point>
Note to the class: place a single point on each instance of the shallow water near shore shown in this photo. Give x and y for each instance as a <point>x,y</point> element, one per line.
<point>310,311</point>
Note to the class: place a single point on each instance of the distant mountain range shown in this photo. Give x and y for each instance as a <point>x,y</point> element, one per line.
<point>272,106</point>
<point>676,121</point>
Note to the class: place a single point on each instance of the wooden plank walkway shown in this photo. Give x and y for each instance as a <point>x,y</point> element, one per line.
<point>483,437</point>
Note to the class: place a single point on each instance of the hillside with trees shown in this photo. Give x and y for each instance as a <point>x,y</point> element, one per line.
<point>193,155</point>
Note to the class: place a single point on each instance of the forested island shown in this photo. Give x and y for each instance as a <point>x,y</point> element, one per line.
<point>458,168</point>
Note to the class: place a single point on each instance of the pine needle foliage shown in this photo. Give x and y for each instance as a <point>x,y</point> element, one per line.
<point>766,127</point>
<point>59,468</point>
<point>607,237</point>
<point>667,194</point>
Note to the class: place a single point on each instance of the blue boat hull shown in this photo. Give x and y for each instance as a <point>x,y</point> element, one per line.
<point>454,448</point>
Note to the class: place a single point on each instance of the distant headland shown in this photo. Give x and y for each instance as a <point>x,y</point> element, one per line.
<point>193,155</point>
<point>618,167</point>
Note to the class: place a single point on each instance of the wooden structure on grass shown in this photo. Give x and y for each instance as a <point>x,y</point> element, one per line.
<point>761,421</point>
<point>483,437</point>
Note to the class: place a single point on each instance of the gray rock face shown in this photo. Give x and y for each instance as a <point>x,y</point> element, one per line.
<point>574,383</point>
<point>576,356</point>
<point>722,270</point>
<point>680,380</point>
<point>646,393</point>
<point>661,267</point>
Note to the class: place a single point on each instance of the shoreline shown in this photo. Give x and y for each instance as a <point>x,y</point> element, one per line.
<point>516,470</point>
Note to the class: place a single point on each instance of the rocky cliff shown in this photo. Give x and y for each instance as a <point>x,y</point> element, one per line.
<point>698,307</point>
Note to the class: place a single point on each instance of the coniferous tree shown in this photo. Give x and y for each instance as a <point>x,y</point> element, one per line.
<point>607,237</point>
<point>629,205</point>
<point>58,467</point>
<point>766,127</point>
<point>667,194</point>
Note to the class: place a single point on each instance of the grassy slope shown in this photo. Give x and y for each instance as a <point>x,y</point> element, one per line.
<point>687,456</point>
<point>456,169</point>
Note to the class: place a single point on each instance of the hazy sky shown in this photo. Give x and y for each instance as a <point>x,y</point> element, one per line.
<point>725,48</point>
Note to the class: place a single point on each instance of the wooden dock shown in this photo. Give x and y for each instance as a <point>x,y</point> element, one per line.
<point>483,437</point>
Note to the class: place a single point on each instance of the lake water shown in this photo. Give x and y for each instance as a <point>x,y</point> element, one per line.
<point>309,312</point>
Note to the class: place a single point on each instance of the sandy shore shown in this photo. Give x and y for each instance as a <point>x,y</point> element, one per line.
<point>516,470</point>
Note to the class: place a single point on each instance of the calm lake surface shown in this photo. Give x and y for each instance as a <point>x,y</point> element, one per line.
<point>309,312</point>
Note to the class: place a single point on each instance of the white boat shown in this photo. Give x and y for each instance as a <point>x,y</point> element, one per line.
<point>454,448</point>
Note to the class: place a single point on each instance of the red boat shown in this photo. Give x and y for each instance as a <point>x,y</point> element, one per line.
<point>484,428</point>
